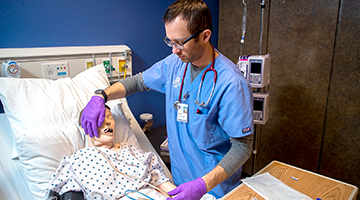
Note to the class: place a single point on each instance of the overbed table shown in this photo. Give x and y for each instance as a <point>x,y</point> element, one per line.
<point>309,183</point>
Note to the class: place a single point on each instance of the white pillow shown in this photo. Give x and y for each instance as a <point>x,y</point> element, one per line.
<point>41,152</point>
<point>32,105</point>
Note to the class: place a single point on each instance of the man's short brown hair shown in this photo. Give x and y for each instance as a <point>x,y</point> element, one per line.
<point>195,12</point>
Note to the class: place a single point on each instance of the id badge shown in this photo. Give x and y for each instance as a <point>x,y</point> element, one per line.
<point>182,112</point>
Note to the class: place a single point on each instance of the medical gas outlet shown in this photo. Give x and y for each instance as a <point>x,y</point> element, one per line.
<point>89,64</point>
<point>55,70</point>
<point>10,68</point>
<point>123,67</point>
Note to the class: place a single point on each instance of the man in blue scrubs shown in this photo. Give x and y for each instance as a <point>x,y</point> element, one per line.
<point>209,120</point>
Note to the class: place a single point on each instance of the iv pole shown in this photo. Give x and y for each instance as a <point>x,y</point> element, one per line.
<point>258,127</point>
<point>263,2</point>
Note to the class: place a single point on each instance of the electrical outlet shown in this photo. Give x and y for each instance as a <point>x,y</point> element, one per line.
<point>55,70</point>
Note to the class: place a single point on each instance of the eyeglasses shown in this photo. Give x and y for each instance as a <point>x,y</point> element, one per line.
<point>180,45</point>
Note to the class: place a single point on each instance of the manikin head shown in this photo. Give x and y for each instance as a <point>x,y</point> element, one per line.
<point>106,131</point>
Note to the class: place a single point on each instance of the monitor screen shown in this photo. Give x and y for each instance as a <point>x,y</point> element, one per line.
<point>258,105</point>
<point>256,68</point>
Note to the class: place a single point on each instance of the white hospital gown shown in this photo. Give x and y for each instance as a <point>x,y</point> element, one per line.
<point>88,171</point>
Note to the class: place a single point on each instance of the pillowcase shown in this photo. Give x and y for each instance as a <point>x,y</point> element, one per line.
<point>41,152</point>
<point>32,105</point>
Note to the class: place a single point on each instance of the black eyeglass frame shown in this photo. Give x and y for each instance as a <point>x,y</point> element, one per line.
<point>180,45</point>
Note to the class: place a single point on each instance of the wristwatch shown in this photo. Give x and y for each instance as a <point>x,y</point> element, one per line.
<point>102,92</point>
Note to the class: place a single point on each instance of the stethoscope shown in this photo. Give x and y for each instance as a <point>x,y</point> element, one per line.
<point>202,104</point>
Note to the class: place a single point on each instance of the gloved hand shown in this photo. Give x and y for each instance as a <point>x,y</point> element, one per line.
<point>192,190</point>
<point>93,116</point>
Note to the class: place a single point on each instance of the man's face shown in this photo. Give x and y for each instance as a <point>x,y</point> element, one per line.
<point>177,31</point>
<point>107,130</point>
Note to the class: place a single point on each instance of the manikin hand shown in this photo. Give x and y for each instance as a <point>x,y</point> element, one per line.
<point>192,190</point>
<point>93,116</point>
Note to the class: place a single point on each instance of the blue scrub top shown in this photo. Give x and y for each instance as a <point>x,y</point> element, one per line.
<point>197,147</point>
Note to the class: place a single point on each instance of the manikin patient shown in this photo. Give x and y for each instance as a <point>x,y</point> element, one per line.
<point>88,174</point>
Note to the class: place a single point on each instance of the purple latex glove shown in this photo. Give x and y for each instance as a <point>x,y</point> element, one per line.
<point>192,190</point>
<point>93,116</point>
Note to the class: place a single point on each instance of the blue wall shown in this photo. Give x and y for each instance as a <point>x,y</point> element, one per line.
<point>135,23</point>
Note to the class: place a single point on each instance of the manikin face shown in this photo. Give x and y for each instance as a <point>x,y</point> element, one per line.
<point>177,31</point>
<point>106,131</point>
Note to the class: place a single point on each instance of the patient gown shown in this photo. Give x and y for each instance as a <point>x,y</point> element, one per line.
<point>88,171</point>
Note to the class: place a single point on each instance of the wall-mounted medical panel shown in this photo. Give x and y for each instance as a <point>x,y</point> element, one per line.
<point>55,70</point>
<point>77,59</point>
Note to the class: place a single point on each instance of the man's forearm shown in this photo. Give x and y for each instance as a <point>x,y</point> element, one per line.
<point>214,177</point>
<point>240,151</point>
<point>115,91</point>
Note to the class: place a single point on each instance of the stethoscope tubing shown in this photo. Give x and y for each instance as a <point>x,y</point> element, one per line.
<point>203,104</point>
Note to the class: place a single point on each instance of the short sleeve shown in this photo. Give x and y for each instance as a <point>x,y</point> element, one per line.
<point>236,113</point>
<point>156,76</point>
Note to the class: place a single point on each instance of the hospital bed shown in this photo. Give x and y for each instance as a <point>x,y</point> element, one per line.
<point>39,126</point>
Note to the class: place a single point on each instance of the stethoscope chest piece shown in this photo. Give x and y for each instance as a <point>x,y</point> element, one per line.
<point>176,104</point>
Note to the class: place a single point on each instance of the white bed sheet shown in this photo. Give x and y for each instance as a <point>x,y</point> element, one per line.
<point>13,184</point>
